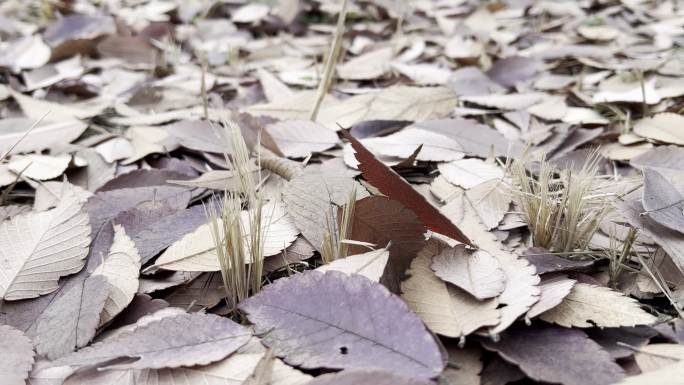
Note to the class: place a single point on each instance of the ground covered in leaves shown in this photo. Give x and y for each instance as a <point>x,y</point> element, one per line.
<point>329,192</point>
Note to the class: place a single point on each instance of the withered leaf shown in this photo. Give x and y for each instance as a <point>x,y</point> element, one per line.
<point>309,331</point>
<point>391,184</point>
<point>182,340</point>
<point>299,138</point>
<point>475,271</point>
<point>664,204</point>
<point>557,355</point>
<point>365,376</point>
<point>545,262</point>
<point>17,356</point>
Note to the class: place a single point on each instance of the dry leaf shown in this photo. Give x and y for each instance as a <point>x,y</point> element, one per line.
<point>557,355</point>
<point>391,184</point>
<point>121,268</point>
<point>181,340</point>
<point>468,366</point>
<point>362,339</point>
<point>505,102</point>
<point>39,248</point>
<point>40,167</point>
<point>445,309</point>
<point>491,200</point>
<point>17,356</point>
<point>44,135</point>
<point>671,375</point>
<point>661,127</point>
<point>299,138</point>
<point>475,271</point>
<point>469,173</point>
<point>554,289</point>
<point>588,306</point>
<point>371,264</point>
<point>402,144</point>
<point>657,356</point>
<point>664,204</point>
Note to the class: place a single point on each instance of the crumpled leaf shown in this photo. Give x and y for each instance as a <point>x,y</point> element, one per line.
<point>557,355</point>
<point>589,306</point>
<point>36,249</point>
<point>17,356</point>
<point>181,340</point>
<point>371,264</point>
<point>475,271</point>
<point>121,268</point>
<point>309,331</point>
<point>391,184</point>
<point>445,309</point>
<point>664,204</point>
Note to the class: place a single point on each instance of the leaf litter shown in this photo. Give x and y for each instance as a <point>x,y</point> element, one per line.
<point>506,174</point>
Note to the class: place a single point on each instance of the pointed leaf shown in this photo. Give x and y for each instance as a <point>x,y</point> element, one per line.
<point>17,356</point>
<point>475,271</point>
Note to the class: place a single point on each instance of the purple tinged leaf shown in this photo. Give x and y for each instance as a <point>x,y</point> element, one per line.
<point>545,262</point>
<point>350,323</point>
<point>364,376</point>
<point>557,355</point>
<point>143,178</point>
<point>182,340</point>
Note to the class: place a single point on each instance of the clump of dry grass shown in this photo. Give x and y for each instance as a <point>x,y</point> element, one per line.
<point>238,237</point>
<point>618,255</point>
<point>562,211</point>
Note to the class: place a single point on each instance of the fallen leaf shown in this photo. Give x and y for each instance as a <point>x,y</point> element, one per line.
<point>467,368</point>
<point>365,376</point>
<point>445,309</point>
<point>661,127</point>
<point>491,200</point>
<point>387,223</point>
<point>391,184</point>
<point>475,271</point>
<point>45,135</point>
<point>284,310</point>
<point>664,204</point>
<point>505,102</point>
<point>371,264</point>
<point>17,356</point>
<point>40,167</point>
<point>120,268</point>
<point>402,144</point>
<point>42,248</point>
<point>309,198</point>
<point>299,138</point>
<point>557,355</point>
<point>554,289</point>
<point>589,306</point>
<point>182,340</point>
<point>545,262</point>
<point>670,374</point>
<point>469,173</point>
<point>368,66</point>
<point>653,357</point>
<point>25,53</point>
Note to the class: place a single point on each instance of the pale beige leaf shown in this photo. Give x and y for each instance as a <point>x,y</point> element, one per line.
<point>424,74</point>
<point>299,138</point>
<point>371,264</point>
<point>521,290</point>
<point>505,102</point>
<point>491,200</point>
<point>216,179</point>
<point>250,13</point>
<point>368,66</point>
<point>115,149</point>
<point>41,167</point>
<point>402,144</point>
<point>469,172</point>
<point>656,356</point>
<point>668,375</point>
<point>445,309</point>
<point>196,250</point>
<point>459,47</point>
<point>477,272</point>
<point>24,53</point>
<point>36,249</point>
<point>551,108</point>
<point>580,115</point>
<point>553,290</point>
<point>121,267</point>
<point>49,194</point>
<point>36,108</point>
<point>443,190</point>
<point>664,127</point>
<point>149,140</point>
<point>273,88</point>
<point>600,305</point>
<point>45,135</point>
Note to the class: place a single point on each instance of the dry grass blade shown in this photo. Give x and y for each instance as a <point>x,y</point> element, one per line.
<point>561,213</point>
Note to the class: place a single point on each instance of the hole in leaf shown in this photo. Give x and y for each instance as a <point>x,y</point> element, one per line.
<point>344,350</point>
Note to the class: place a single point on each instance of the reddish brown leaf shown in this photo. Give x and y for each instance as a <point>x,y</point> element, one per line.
<point>395,187</point>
